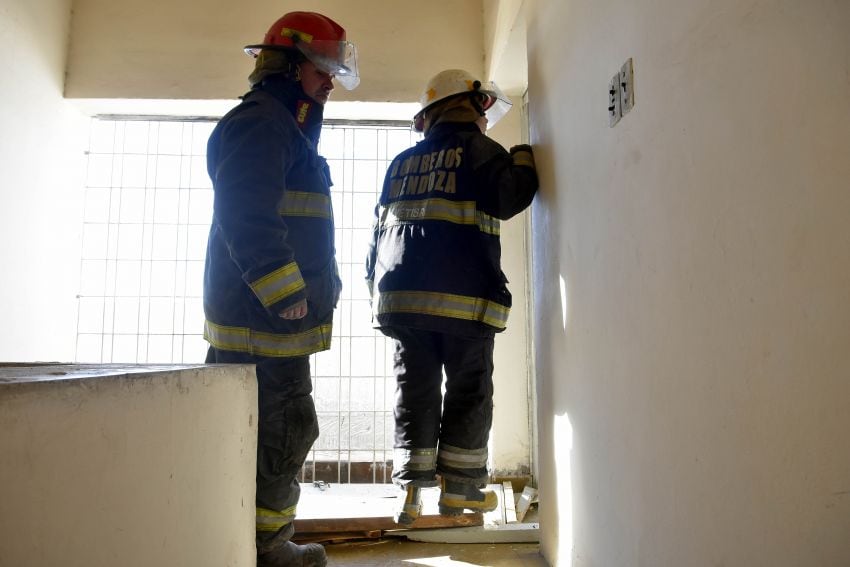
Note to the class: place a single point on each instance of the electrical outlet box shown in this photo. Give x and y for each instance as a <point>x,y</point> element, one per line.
<point>627,91</point>
<point>614,110</point>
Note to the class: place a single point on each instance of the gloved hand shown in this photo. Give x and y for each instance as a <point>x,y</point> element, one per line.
<point>523,155</point>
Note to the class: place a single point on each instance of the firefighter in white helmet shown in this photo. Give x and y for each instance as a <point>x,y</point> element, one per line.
<point>271,281</point>
<point>438,290</point>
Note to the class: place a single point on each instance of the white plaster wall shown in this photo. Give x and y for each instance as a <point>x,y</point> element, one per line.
<point>505,54</point>
<point>166,49</point>
<point>135,467</point>
<point>41,169</point>
<point>691,276</point>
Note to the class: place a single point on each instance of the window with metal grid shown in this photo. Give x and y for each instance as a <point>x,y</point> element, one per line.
<point>148,204</point>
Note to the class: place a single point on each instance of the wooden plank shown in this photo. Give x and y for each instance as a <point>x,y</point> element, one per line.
<point>509,533</point>
<point>499,516</point>
<point>529,495</point>
<point>510,505</point>
<point>355,524</point>
<point>357,508</point>
<point>335,537</point>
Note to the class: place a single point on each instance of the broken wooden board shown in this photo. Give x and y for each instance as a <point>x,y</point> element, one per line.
<point>510,504</point>
<point>528,496</point>
<point>507,533</point>
<point>327,512</point>
<point>496,528</point>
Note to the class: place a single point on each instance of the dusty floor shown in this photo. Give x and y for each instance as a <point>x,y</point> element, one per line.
<point>396,551</point>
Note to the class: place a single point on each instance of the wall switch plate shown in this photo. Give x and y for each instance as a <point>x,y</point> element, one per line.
<point>614,111</point>
<point>627,91</point>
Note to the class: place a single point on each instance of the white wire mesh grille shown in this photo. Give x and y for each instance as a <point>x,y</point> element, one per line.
<point>148,203</point>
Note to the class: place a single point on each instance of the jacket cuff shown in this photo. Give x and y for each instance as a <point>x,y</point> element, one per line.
<point>279,285</point>
<point>522,155</point>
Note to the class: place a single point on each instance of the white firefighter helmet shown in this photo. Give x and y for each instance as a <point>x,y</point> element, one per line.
<point>455,82</point>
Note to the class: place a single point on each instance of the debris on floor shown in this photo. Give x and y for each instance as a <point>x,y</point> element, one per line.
<point>349,512</point>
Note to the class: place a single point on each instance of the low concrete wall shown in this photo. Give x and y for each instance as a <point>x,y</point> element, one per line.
<point>127,465</point>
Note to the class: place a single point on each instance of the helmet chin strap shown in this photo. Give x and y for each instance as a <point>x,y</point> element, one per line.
<point>475,97</point>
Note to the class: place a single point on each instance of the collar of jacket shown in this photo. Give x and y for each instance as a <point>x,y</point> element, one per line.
<point>307,112</point>
<point>444,128</point>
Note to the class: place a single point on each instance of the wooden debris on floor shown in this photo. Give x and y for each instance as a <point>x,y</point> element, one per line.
<point>342,512</point>
<point>500,526</point>
<point>346,512</point>
<point>510,503</point>
<point>526,499</point>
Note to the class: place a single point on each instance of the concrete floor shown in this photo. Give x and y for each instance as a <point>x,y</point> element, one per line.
<point>395,551</point>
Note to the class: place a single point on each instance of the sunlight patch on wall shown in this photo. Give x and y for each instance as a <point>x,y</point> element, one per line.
<point>563,287</point>
<point>563,443</point>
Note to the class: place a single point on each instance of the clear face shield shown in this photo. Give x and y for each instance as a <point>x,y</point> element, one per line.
<point>496,105</point>
<point>337,58</point>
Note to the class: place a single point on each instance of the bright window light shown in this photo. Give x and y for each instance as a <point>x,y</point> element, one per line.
<point>148,205</point>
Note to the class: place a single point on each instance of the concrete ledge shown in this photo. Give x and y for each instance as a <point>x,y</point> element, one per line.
<point>127,465</point>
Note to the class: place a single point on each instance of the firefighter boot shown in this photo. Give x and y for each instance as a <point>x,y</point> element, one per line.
<point>293,555</point>
<point>457,496</point>
<point>410,508</point>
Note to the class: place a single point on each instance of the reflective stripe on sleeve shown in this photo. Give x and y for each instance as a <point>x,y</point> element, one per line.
<point>281,283</point>
<point>442,305</point>
<point>523,158</point>
<point>304,204</point>
<point>241,339</point>
<point>458,212</point>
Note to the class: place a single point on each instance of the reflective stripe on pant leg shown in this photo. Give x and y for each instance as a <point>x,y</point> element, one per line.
<point>464,465</point>
<point>415,466</point>
<point>274,520</point>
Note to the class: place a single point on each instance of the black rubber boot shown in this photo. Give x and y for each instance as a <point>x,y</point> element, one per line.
<point>280,552</point>
<point>293,555</point>
<point>455,497</point>
<point>410,507</point>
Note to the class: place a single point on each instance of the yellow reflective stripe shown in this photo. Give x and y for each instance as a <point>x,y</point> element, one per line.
<point>523,158</point>
<point>458,458</point>
<point>415,459</point>
<point>443,305</point>
<point>241,339</point>
<point>458,212</point>
<point>297,34</point>
<point>272,520</point>
<point>303,204</point>
<point>281,283</point>
<point>488,224</point>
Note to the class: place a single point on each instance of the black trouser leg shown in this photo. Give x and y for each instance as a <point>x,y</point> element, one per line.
<point>467,409</point>
<point>287,428</point>
<point>419,375</point>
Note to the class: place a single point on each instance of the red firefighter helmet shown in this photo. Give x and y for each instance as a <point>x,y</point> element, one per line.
<point>319,38</point>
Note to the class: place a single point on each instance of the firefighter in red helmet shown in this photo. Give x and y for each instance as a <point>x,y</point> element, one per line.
<point>271,282</point>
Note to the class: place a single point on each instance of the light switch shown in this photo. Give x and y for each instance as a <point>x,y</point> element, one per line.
<point>627,91</point>
<point>614,111</point>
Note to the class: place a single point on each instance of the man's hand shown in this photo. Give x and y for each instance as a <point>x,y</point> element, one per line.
<point>297,311</point>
